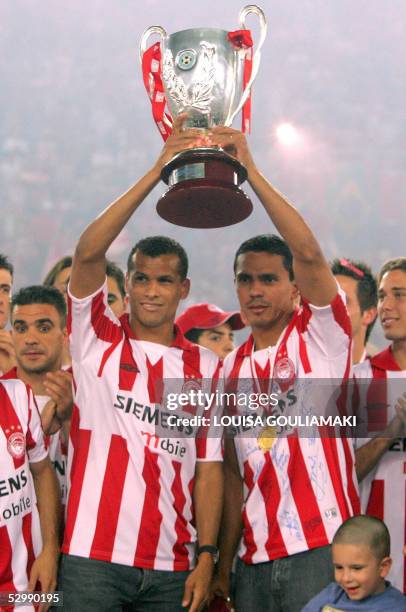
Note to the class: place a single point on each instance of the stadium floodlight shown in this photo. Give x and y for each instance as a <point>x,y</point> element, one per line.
<point>287,134</point>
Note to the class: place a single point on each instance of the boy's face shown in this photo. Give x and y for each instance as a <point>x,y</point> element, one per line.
<point>220,340</point>
<point>358,571</point>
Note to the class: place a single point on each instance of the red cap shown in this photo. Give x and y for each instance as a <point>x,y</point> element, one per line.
<point>207,316</point>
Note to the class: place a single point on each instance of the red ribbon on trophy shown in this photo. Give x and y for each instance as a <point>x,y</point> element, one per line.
<point>242,39</point>
<point>151,73</point>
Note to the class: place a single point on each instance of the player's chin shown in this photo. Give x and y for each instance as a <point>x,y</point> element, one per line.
<point>35,367</point>
<point>153,320</point>
<point>392,334</point>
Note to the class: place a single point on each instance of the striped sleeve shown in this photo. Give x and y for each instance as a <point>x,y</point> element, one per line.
<point>91,323</point>
<point>328,328</point>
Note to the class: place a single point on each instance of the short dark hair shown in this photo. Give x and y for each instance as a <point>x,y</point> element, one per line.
<point>363,530</point>
<point>193,335</point>
<point>39,294</point>
<point>268,243</point>
<point>399,263</point>
<point>114,271</point>
<point>5,264</point>
<point>154,246</point>
<point>367,291</point>
<point>61,264</point>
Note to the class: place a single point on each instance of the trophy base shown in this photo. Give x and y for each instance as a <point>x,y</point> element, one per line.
<point>204,190</point>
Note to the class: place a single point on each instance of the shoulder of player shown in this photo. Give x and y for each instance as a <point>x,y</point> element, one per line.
<point>10,374</point>
<point>384,361</point>
<point>14,384</point>
<point>18,393</point>
<point>363,369</point>
<point>240,352</point>
<point>209,361</point>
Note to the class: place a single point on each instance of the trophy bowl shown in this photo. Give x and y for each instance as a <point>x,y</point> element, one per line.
<point>206,73</point>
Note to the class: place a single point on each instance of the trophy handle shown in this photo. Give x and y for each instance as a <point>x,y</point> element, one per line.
<point>146,34</point>
<point>251,8</point>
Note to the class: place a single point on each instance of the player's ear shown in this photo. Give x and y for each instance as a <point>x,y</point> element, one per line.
<point>369,315</point>
<point>295,293</point>
<point>385,566</point>
<point>185,288</point>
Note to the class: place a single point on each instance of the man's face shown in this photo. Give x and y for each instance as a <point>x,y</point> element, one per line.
<point>62,281</point>
<point>115,300</point>
<point>6,282</point>
<point>264,290</point>
<point>155,288</point>
<point>349,286</point>
<point>392,304</point>
<point>220,340</point>
<point>38,337</point>
<point>358,571</point>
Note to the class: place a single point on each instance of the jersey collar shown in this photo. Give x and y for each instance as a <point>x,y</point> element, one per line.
<point>179,340</point>
<point>385,360</point>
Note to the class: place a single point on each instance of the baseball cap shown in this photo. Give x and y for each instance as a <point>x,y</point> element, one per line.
<point>207,316</point>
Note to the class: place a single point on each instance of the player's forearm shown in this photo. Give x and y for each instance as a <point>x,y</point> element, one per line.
<point>208,501</point>
<point>287,220</point>
<point>231,522</point>
<point>98,236</point>
<point>48,499</point>
<point>368,455</point>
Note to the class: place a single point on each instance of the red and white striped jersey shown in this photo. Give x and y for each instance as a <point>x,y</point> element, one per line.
<point>21,443</point>
<point>298,487</point>
<point>55,444</point>
<point>57,450</point>
<point>383,490</point>
<point>130,475</point>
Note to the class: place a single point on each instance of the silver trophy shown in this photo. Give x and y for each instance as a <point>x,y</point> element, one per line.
<point>206,73</point>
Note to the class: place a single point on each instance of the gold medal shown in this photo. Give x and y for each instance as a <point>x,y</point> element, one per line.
<point>266,438</point>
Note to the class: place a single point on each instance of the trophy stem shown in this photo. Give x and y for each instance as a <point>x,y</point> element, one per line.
<point>204,190</point>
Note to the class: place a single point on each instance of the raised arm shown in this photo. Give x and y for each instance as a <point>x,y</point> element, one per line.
<point>312,272</point>
<point>89,262</point>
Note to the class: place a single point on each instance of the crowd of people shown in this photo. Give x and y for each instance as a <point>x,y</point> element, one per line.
<point>119,502</point>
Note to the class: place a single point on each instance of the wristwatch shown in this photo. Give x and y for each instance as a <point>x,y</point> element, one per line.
<point>213,550</point>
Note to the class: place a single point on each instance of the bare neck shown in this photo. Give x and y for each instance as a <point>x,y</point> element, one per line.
<point>270,336</point>
<point>163,334</point>
<point>358,347</point>
<point>399,352</point>
<point>34,379</point>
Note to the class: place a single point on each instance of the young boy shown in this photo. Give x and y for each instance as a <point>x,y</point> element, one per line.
<point>360,549</point>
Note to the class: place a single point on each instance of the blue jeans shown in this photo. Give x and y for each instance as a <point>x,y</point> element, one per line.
<point>100,586</point>
<point>283,585</point>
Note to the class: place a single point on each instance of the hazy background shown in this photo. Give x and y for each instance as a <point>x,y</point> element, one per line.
<point>76,127</point>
